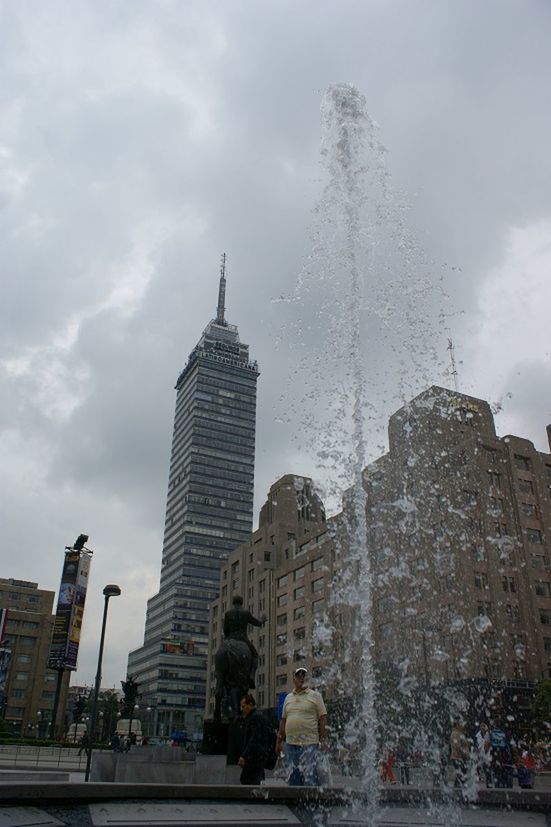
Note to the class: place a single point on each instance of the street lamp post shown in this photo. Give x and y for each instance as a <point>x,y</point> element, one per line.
<point>109,591</point>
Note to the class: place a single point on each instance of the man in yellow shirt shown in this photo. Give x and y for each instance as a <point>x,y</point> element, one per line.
<point>304,727</point>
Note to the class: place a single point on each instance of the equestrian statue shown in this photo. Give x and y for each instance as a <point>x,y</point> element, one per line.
<point>236,660</point>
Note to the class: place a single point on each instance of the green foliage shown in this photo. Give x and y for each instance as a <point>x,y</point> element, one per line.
<point>541,705</point>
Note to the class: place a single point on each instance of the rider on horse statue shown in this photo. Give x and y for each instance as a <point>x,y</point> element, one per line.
<point>236,621</point>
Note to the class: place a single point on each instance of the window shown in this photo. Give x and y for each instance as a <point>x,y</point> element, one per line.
<point>298,655</point>
<point>282,599</point>
<point>470,498</point>
<point>299,573</point>
<point>24,658</point>
<point>317,563</point>
<point>300,634</point>
<point>385,631</point>
<point>281,680</point>
<point>47,695</point>
<point>250,575</point>
<point>282,620</point>
<point>501,529</point>
<point>317,585</point>
<point>545,617</point>
<point>262,587</point>
<point>21,676</point>
<point>496,505</point>
<point>281,639</point>
<point>534,535</point>
<point>30,624</point>
<point>542,588</point>
<point>299,613</point>
<point>522,462</point>
<point>529,509</point>
<point>18,693</point>
<point>281,660</point>
<point>282,581</point>
<point>509,584</point>
<point>235,567</point>
<point>299,592</point>
<point>526,486</point>
<point>317,606</point>
<point>512,612</point>
<point>538,561</point>
<point>480,580</point>
<point>547,644</point>
<point>484,608</point>
<point>478,554</point>
<point>494,480</point>
<point>14,712</point>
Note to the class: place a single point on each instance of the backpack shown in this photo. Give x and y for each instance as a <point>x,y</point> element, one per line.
<point>271,757</point>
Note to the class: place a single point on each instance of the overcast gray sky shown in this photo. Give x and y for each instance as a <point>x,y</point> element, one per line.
<point>139,140</point>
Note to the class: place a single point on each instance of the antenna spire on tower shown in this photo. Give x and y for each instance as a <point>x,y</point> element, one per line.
<point>221,309</point>
<point>452,360</point>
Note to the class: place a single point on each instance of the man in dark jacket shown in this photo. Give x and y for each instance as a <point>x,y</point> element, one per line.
<point>255,746</point>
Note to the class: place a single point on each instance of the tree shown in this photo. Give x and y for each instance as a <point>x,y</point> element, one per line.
<point>541,705</point>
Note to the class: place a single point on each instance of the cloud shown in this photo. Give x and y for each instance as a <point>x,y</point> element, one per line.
<point>138,141</point>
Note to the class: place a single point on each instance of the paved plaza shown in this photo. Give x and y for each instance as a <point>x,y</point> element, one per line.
<point>245,814</point>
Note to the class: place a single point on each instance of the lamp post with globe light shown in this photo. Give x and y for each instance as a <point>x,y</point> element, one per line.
<point>109,591</point>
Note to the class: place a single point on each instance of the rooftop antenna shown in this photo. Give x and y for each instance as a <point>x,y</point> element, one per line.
<point>452,360</point>
<point>221,309</point>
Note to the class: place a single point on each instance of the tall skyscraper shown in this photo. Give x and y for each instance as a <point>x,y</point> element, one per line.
<point>209,512</point>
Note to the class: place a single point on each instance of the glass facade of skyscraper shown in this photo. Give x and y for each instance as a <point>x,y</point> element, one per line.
<point>209,513</point>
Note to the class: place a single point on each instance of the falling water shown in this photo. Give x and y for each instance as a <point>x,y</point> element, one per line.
<point>370,332</point>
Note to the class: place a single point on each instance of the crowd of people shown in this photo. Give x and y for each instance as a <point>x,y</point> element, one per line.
<point>491,756</point>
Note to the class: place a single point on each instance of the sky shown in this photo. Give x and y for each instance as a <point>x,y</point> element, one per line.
<point>140,140</point>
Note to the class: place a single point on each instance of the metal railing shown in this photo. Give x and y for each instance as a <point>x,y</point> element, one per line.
<point>17,755</point>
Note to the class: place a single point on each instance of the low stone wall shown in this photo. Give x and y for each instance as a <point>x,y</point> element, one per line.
<point>162,765</point>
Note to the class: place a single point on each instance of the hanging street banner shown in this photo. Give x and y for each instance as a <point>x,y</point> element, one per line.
<point>70,610</point>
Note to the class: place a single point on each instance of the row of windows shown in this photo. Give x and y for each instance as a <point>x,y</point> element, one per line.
<point>18,597</point>
<point>299,573</point>
<point>300,591</point>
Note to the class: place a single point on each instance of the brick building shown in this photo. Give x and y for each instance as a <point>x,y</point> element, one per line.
<point>31,686</point>
<point>283,572</point>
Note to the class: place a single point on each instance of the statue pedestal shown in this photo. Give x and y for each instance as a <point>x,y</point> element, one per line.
<point>223,739</point>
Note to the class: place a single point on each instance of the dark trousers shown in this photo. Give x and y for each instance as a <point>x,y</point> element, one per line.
<point>252,774</point>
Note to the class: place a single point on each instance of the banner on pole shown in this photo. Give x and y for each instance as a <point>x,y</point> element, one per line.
<point>70,610</point>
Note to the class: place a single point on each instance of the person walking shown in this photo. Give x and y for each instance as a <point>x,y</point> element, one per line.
<point>483,754</point>
<point>84,743</point>
<point>303,726</point>
<point>253,754</point>
<point>459,753</point>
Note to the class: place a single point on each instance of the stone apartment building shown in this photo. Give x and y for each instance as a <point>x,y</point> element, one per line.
<point>282,572</point>
<point>459,528</point>
<point>31,686</point>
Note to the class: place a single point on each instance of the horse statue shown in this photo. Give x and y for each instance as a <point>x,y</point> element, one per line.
<point>236,660</point>
<point>233,663</point>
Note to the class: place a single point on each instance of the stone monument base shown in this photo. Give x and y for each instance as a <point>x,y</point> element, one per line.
<point>223,738</point>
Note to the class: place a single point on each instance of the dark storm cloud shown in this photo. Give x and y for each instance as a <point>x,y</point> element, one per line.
<point>137,142</point>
